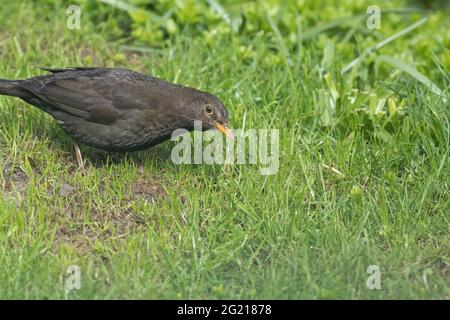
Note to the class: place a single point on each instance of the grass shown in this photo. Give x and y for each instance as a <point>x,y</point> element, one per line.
<point>355,187</point>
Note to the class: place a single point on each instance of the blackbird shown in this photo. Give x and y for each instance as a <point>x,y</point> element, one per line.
<point>118,109</point>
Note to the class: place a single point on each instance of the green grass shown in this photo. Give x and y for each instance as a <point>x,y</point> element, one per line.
<point>356,186</point>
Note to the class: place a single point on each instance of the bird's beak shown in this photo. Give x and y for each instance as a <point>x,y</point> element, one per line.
<point>225,130</point>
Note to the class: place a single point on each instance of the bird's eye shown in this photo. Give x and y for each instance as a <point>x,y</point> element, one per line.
<point>208,109</point>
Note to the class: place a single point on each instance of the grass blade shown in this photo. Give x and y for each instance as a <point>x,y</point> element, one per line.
<point>381,44</point>
<point>119,4</point>
<point>413,73</point>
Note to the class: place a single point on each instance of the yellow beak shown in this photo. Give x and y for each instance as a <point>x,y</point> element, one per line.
<point>225,130</point>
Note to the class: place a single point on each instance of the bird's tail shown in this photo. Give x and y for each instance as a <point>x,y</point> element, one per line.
<point>11,88</point>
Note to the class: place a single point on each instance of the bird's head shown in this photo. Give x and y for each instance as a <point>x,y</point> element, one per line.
<point>208,109</point>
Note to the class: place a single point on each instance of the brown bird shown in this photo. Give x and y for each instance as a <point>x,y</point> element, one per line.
<point>118,109</point>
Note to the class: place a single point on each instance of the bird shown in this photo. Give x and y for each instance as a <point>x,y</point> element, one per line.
<point>116,109</point>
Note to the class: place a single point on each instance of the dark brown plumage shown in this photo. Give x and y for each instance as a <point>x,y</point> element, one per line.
<point>118,109</point>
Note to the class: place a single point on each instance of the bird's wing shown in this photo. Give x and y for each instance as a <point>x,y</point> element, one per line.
<point>83,97</point>
<point>94,94</point>
<point>58,70</point>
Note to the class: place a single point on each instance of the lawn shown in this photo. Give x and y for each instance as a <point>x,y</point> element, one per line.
<point>363,176</point>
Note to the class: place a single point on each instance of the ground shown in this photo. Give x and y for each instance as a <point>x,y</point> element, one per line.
<point>357,186</point>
